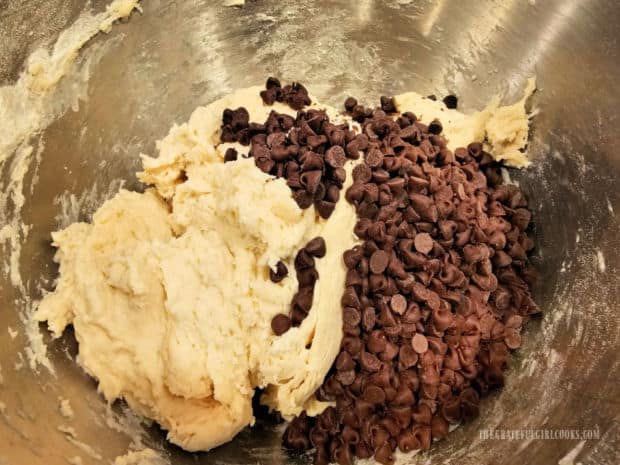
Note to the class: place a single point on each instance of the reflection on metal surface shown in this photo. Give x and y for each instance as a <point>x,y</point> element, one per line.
<point>363,11</point>
<point>431,18</point>
<point>178,55</point>
<point>559,19</point>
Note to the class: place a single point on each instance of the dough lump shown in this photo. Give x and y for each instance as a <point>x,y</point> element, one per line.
<point>168,290</point>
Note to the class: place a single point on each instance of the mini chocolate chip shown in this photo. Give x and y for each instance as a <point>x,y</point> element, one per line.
<point>280,273</point>
<point>307,277</point>
<point>435,127</point>
<point>339,175</point>
<point>325,208</point>
<point>316,247</point>
<point>362,174</point>
<point>439,427</point>
<point>303,260</point>
<point>380,175</point>
<point>398,304</point>
<point>374,158</point>
<point>369,362</point>
<point>423,243</point>
<point>353,345</point>
<point>280,324</point>
<point>388,104</point>
<point>475,149</point>
<point>368,318</point>
<point>407,356</point>
<point>230,155</point>
<point>379,261</point>
<point>442,319</point>
<point>350,103</point>
<point>272,82</point>
<point>303,198</point>
<point>320,192</point>
<point>451,101</point>
<point>424,206</point>
<point>514,321</point>
<point>377,341</point>
<point>353,278</point>
<point>353,256</point>
<point>351,316</point>
<point>311,180</point>
<point>237,119</point>
<point>350,436</point>
<point>407,441</point>
<point>269,96</point>
<point>314,142</point>
<point>419,343</point>
<point>332,194</point>
<point>396,185</point>
<point>335,156</point>
<point>521,218</point>
<point>344,362</point>
<point>262,158</point>
<point>374,394</point>
<point>355,193</point>
<point>298,315</point>
<point>296,434</point>
<point>361,227</point>
<point>336,137</point>
<point>358,113</point>
<point>346,378</point>
<point>352,150</point>
<point>384,453</point>
<point>371,192</point>
<point>303,298</point>
<point>362,141</point>
<point>512,338</point>
<point>404,395</point>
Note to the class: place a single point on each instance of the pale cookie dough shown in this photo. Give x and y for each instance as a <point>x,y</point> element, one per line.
<point>503,128</point>
<point>65,408</point>
<point>141,457</point>
<point>169,294</point>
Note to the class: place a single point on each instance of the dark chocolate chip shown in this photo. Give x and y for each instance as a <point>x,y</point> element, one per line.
<point>398,303</point>
<point>423,243</point>
<point>435,127</point>
<point>280,324</point>
<point>325,208</point>
<point>374,158</point>
<point>450,101</point>
<point>442,266</point>
<point>230,155</point>
<point>419,343</point>
<point>316,247</point>
<point>350,103</point>
<point>362,173</point>
<point>280,272</point>
<point>303,198</point>
<point>379,261</point>
<point>335,156</point>
<point>388,104</point>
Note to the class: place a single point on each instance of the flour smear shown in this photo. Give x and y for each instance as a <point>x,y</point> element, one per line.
<point>54,80</point>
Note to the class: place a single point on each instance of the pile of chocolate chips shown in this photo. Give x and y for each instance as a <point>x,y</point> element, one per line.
<point>436,294</point>
<point>294,95</point>
<point>307,276</point>
<point>309,151</point>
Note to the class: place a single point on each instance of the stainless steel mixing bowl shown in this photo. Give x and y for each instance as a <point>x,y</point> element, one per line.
<point>161,64</point>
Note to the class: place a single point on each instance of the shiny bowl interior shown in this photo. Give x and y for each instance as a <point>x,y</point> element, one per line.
<point>154,69</point>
